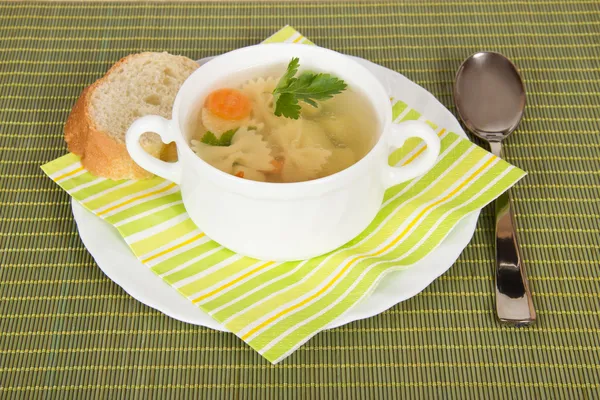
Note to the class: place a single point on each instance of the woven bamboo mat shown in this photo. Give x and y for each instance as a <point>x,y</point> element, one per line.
<point>67,331</point>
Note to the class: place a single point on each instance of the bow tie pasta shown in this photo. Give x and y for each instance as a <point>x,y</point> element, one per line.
<point>260,93</point>
<point>247,149</point>
<point>304,149</point>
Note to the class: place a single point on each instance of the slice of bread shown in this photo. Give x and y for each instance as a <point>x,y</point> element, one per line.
<point>137,85</point>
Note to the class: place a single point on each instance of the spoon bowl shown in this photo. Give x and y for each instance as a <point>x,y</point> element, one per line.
<point>489,95</point>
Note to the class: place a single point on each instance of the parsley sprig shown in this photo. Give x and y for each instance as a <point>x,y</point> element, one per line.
<point>307,87</point>
<point>212,140</point>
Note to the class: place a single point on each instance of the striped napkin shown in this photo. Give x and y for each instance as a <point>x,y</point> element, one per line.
<point>277,306</point>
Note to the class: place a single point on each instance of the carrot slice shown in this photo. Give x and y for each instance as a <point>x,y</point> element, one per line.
<point>228,104</point>
<point>240,174</point>
<point>277,165</point>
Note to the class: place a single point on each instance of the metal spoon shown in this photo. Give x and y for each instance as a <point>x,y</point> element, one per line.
<point>490,99</point>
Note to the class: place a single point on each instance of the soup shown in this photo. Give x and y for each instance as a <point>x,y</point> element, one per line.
<point>283,129</point>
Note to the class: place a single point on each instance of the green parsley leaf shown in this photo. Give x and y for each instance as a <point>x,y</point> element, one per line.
<point>287,77</point>
<point>226,137</point>
<point>308,87</point>
<point>211,139</point>
<point>319,87</point>
<point>287,105</point>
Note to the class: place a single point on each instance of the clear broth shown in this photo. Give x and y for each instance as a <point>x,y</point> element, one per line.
<point>345,128</point>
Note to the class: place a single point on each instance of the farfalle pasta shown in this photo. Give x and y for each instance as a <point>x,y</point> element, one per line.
<point>247,148</point>
<point>260,93</point>
<point>304,149</point>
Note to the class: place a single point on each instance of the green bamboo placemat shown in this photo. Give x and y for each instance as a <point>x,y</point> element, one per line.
<point>67,331</point>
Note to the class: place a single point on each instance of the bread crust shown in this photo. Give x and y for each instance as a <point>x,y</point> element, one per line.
<point>101,154</point>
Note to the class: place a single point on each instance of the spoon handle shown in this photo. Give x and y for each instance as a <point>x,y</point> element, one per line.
<point>514,304</point>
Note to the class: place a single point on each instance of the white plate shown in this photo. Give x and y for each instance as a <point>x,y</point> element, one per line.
<point>116,260</point>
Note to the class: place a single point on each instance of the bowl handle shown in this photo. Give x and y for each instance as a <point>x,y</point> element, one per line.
<point>396,138</point>
<point>161,126</point>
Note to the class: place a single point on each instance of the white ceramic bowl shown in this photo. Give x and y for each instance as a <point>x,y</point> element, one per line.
<point>282,221</point>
